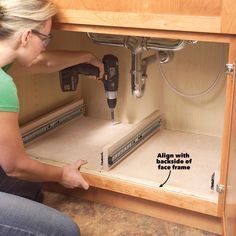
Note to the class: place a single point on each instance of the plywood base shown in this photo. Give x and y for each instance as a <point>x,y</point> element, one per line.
<point>82,138</point>
<point>85,137</point>
<point>145,207</point>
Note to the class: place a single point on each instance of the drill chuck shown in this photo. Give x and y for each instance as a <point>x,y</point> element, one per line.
<point>111,99</point>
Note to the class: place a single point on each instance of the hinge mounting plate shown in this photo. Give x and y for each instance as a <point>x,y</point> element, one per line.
<point>220,188</point>
<point>229,68</point>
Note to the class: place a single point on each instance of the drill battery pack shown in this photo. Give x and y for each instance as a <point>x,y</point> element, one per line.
<point>69,77</point>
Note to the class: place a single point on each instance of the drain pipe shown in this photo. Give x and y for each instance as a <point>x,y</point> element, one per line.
<point>138,79</point>
<point>137,45</point>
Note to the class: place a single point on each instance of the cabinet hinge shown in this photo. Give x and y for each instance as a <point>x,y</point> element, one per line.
<point>229,69</point>
<point>220,188</point>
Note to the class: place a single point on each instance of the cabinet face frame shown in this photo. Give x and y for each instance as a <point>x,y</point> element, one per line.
<point>229,198</point>
<point>189,16</point>
<point>227,153</point>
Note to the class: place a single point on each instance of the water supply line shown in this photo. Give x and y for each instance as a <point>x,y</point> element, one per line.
<point>172,87</point>
<point>137,45</point>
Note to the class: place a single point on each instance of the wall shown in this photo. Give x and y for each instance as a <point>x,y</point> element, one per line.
<point>192,70</point>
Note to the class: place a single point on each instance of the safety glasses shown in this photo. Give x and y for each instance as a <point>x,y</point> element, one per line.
<point>44,38</point>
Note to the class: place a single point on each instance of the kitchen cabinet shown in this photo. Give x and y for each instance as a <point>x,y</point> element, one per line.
<point>185,199</point>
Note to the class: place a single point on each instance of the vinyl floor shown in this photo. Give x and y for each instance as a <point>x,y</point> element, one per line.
<point>95,219</point>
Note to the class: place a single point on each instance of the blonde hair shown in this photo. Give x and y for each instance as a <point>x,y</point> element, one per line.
<point>17,15</point>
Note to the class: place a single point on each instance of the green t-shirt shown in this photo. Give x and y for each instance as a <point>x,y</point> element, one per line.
<point>9,101</point>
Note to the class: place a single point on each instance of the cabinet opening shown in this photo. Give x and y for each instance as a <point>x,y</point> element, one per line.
<point>191,132</point>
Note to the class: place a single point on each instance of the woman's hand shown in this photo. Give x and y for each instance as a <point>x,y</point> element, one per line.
<point>98,63</point>
<point>72,178</point>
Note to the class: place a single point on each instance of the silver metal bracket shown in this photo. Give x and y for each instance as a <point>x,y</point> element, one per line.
<point>121,152</point>
<point>58,121</point>
<point>229,69</point>
<point>220,188</point>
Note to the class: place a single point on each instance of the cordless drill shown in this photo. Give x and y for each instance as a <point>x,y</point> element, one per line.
<point>69,78</point>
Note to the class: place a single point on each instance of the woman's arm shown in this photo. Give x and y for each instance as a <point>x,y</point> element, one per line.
<point>16,163</point>
<point>53,61</point>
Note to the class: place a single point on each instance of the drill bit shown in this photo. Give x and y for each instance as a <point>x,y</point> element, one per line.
<point>112,115</point>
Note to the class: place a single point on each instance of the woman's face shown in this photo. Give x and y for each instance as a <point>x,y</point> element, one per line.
<point>33,42</point>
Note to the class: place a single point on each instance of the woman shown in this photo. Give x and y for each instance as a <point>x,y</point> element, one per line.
<point>24,34</point>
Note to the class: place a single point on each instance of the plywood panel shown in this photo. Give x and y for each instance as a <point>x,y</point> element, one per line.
<point>203,150</point>
<point>83,138</point>
<point>192,71</point>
